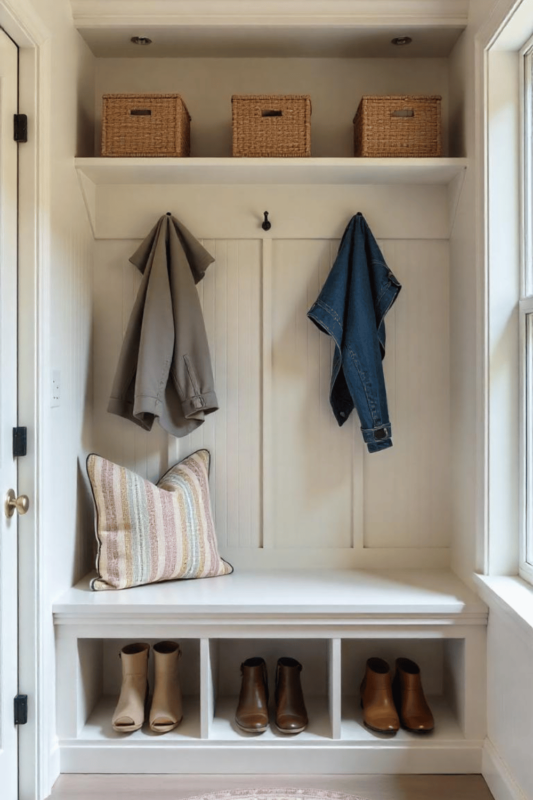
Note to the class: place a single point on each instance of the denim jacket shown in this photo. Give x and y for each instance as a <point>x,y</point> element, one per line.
<point>351,308</point>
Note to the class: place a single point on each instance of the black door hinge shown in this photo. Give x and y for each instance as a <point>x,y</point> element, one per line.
<point>21,709</point>
<point>20,128</point>
<point>20,442</point>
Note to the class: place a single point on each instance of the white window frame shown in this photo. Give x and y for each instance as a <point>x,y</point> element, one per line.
<point>525,566</point>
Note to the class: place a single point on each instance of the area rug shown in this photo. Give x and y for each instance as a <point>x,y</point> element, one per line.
<point>275,794</point>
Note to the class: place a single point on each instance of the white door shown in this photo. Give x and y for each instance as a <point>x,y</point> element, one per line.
<point>8,417</point>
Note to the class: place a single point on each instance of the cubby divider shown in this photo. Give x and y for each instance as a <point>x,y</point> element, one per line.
<point>335,686</point>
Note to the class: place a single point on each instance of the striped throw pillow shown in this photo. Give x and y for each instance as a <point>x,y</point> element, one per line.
<point>150,533</point>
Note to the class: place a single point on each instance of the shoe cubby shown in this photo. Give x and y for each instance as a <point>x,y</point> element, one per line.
<point>441,663</point>
<point>223,659</point>
<point>95,676</point>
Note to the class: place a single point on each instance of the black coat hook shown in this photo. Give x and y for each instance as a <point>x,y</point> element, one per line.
<point>266,224</point>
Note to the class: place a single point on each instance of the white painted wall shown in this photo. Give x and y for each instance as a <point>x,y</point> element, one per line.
<point>291,488</point>
<point>292,481</point>
<point>335,86</point>
<point>507,760</point>
<point>464,351</point>
<point>68,431</point>
<point>66,286</point>
<point>509,708</point>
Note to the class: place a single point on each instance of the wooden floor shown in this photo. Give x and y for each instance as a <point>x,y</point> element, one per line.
<point>176,787</point>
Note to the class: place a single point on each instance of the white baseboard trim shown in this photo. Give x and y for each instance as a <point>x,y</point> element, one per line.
<point>498,776</point>
<point>54,770</point>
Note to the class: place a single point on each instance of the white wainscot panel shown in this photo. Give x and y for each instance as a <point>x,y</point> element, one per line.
<point>327,491</point>
<point>313,460</point>
<point>407,487</point>
<point>230,296</point>
<point>231,300</point>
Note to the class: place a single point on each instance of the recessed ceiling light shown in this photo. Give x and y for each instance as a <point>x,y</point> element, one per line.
<point>142,40</point>
<point>401,41</point>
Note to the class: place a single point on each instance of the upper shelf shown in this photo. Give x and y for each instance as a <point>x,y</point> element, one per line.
<point>346,171</point>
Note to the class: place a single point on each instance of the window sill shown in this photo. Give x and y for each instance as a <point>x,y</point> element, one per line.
<point>509,594</point>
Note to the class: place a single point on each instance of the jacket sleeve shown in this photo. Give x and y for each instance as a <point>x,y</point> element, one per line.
<point>191,363</point>
<point>350,308</point>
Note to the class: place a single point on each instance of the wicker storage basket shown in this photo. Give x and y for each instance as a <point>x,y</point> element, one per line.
<point>145,125</point>
<point>271,125</point>
<point>398,126</point>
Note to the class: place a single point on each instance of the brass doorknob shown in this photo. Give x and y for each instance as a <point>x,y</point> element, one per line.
<point>13,503</point>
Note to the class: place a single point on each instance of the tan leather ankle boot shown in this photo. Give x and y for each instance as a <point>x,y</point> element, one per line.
<point>379,712</point>
<point>166,712</point>
<point>129,713</point>
<point>415,714</point>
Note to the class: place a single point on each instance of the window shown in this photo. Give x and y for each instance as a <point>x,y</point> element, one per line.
<point>526,322</point>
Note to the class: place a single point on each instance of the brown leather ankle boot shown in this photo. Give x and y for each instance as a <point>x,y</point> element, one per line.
<point>252,710</point>
<point>379,712</point>
<point>415,714</point>
<point>291,714</point>
<point>131,706</point>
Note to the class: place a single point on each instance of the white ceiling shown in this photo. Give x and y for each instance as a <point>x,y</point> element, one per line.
<point>264,41</point>
<point>270,28</point>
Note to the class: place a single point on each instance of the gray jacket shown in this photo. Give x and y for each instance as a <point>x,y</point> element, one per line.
<point>164,368</point>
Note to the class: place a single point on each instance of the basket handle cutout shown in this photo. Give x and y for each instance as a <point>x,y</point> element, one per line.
<point>141,112</point>
<point>403,112</point>
<point>266,113</point>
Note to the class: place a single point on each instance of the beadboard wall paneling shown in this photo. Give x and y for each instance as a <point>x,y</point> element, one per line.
<point>230,296</point>
<point>327,491</point>
<point>284,475</point>
<point>314,462</point>
<point>407,488</point>
<point>297,212</point>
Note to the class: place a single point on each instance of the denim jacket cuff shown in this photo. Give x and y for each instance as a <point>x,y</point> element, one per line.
<point>378,438</point>
<point>327,319</point>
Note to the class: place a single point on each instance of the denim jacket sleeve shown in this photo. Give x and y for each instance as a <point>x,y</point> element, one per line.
<point>351,308</point>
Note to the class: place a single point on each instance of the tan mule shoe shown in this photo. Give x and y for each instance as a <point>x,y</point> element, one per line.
<point>130,710</point>
<point>166,712</point>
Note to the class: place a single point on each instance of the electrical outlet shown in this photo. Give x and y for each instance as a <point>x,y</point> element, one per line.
<point>56,389</point>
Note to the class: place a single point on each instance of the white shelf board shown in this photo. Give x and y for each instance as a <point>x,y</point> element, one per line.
<point>223,729</point>
<point>318,732</point>
<point>280,594</point>
<point>340,171</point>
<point>98,727</point>
<point>447,728</point>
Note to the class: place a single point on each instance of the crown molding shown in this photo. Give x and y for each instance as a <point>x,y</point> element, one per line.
<point>117,13</point>
<point>22,22</point>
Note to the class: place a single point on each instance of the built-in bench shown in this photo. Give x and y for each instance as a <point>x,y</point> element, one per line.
<point>331,621</point>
